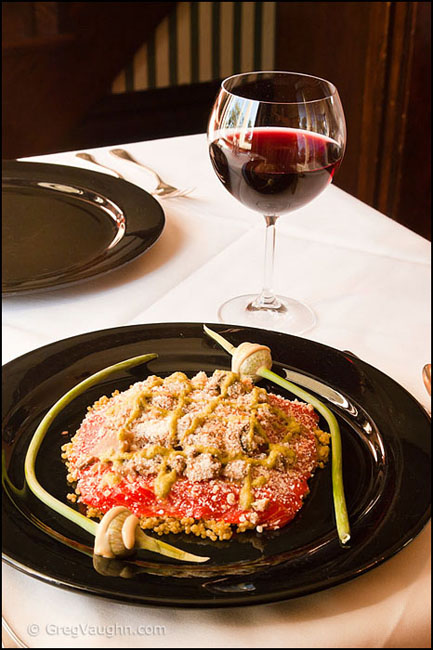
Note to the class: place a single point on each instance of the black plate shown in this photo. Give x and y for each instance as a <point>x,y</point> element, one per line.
<point>62,225</point>
<point>386,453</point>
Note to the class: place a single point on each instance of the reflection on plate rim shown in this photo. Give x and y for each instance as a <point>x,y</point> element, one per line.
<point>110,189</point>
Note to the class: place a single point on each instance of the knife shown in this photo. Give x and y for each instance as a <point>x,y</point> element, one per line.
<point>426,375</point>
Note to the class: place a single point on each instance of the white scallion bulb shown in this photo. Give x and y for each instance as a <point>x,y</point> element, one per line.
<point>248,358</point>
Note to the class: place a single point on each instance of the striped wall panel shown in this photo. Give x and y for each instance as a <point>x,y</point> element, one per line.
<point>203,41</point>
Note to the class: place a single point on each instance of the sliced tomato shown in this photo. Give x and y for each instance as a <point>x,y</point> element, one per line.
<point>197,499</point>
<point>100,487</point>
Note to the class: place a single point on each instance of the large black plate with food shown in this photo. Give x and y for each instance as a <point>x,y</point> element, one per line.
<point>62,225</point>
<point>386,462</point>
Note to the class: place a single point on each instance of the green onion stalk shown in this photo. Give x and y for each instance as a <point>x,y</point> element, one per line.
<point>254,361</point>
<point>142,541</point>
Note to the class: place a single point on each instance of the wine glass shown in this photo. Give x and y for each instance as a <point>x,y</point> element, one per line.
<point>275,140</point>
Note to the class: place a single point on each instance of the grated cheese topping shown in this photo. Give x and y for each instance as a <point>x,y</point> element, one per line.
<point>203,429</point>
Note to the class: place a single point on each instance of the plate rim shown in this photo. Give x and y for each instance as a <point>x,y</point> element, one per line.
<point>244,599</point>
<point>116,190</point>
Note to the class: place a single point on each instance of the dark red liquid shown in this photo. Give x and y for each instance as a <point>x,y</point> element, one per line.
<point>275,170</point>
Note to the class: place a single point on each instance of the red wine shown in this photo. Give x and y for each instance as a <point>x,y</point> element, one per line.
<point>275,170</point>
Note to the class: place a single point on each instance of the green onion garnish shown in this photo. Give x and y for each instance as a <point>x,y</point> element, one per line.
<point>143,541</point>
<point>340,509</point>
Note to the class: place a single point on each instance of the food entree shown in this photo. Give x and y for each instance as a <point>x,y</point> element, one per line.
<point>207,455</point>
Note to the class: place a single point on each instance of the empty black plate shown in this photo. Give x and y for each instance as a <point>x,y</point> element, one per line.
<point>62,225</point>
<point>386,461</point>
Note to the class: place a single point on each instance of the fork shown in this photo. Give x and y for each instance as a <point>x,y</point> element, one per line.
<point>87,156</point>
<point>162,189</point>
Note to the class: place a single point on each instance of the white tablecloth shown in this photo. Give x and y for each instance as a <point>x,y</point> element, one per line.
<point>367,278</point>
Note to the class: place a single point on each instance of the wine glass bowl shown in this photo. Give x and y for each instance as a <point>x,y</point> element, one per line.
<point>276,140</point>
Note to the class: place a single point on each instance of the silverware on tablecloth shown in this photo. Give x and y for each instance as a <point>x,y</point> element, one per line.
<point>426,375</point>
<point>87,156</point>
<point>162,189</point>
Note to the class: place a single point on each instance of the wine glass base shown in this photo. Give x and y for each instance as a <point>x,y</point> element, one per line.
<point>288,315</point>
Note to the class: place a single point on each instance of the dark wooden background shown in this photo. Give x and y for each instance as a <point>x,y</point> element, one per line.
<point>59,60</point>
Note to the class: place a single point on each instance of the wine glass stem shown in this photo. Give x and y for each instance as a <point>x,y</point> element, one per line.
<point>267,300</point>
